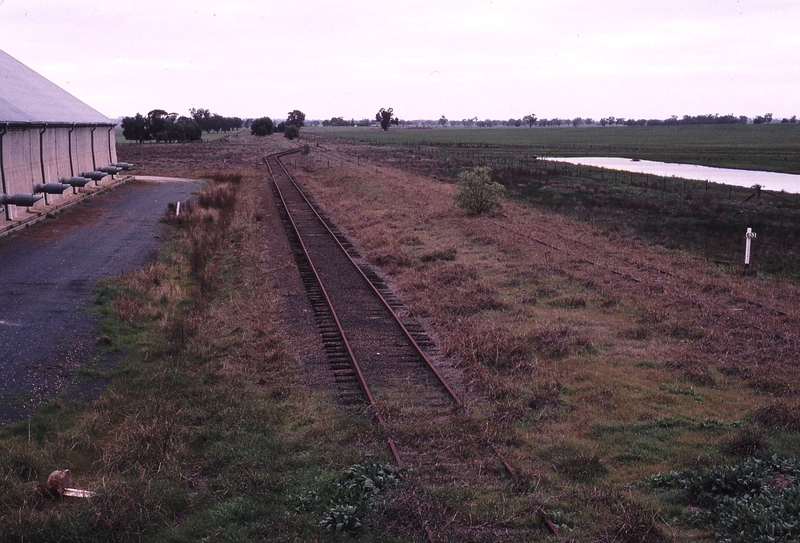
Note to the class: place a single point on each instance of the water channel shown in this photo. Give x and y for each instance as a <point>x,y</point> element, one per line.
<point>740,178</point>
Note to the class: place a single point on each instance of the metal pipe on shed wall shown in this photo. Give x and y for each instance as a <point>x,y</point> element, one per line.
<point>69,146</point>
<point>41,158</point>
<point>110,158</point>
<point>69,139</point>
<point>94,161</point>
<point>3,170</point>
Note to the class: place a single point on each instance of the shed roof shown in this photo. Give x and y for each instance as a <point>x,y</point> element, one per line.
<point>27,97</point>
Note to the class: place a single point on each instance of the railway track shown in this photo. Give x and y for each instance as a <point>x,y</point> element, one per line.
<point>374,355</point>
<point>377,358</point>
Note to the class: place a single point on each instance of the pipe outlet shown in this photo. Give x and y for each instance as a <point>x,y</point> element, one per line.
<point>95,175</point>
<point>50,188</point>
<point>25,200</point>
<point>74,181</point>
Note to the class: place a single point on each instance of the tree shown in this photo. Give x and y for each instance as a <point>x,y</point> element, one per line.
<point>201,117</point>
<point>296,118</point>
<point>135,128</point>
<point>337,121</point>
<point>160,126</point>
<point>262,127</point>
<point>443,121</point>
<point>385,117</point>
<point>763,119</point>
<point>291,131</point>
<point>157,120</point>
<point>530,119</point>
<point>477,193</point>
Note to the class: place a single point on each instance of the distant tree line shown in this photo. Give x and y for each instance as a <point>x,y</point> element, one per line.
<point>338,121</point>
<point>208,121</point>
<point>531,120</point>
<point>161,126</point>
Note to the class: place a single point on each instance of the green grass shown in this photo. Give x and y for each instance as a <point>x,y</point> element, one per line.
<point>753,147</point>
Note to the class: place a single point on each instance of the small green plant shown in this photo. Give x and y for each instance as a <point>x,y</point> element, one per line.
<point>350,498</point>
<point>754,500</point>
<point>477,194</point>
<point>343,518</point>
<point>672,389</point>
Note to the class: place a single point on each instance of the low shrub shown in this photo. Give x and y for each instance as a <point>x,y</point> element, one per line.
<point>291,132</point>
<point>477,194</point>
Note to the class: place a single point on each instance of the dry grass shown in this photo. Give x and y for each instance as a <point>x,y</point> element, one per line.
<point>780,415</point>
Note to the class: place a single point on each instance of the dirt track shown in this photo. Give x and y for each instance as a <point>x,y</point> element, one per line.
<point>47,277</point>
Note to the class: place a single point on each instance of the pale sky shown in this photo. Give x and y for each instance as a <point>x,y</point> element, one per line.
<point>458,58</point>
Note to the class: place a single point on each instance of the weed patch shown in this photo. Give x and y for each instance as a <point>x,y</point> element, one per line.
<point>755,500</point>
<point>354,495</point>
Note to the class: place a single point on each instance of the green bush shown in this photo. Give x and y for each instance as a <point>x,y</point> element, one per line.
<point>291,131</point>
<point>477,193</point>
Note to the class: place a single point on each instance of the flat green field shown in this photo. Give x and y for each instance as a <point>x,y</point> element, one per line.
<point>755,147</point>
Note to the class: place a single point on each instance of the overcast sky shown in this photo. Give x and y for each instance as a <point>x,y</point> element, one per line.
<point>458,58</point>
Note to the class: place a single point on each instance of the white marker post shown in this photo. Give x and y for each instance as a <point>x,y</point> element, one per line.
<point>750,235</point>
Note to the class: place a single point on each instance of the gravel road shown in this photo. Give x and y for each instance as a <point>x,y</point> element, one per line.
<point>47,275</point>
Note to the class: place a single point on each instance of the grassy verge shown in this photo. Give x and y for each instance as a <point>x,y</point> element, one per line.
<point>206,431</point>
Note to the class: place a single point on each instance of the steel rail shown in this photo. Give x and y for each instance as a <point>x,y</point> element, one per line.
<point>407,334</point>
<point>356,366</point>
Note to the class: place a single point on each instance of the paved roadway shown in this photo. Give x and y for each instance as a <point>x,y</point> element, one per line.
<point>47,275</point>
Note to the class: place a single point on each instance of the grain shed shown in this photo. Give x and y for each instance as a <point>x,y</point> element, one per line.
<point>52,145</point>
